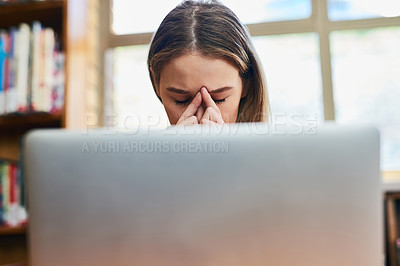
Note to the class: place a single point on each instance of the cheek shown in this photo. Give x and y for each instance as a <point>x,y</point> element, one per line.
<point>173,111</point>
<point>171,108</point>
<point>229,114</point>
<point>229,110</point>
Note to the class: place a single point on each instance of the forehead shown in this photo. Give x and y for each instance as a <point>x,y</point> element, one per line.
<point>192,71</point>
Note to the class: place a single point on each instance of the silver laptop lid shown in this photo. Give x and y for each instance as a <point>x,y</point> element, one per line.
<point>237,197</point>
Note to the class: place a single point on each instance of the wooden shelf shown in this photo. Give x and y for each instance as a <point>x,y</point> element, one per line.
<point>29,6</point>
<point>27,121</point>
<point>20,230</point>
<point>13,127</point>
<point>13,246</point>
<point>49,13</point>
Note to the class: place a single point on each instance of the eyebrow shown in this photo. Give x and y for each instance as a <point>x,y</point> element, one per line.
<point>172,89</point>
<point>180,91</point>
<point>221,89</point>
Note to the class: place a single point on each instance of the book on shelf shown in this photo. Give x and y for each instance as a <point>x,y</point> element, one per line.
<point>12,206</point>
<point>5,2</point>
<point>3,57</point>
<point>31,70</point>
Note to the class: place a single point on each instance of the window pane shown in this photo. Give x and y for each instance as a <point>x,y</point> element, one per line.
<point>256,11</point>
<point>133,17</point>
<point>366,79</point>
<point>139,16</point>
<point>135,102</point>
<point>292,68</point>
<point>360,9</point>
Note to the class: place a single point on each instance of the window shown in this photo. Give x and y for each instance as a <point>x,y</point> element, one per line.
<point>257,11</point>
<point>333,59</point>
<point>282,56</point>
<point>134,97</point>
<point>361,9</point>
<point>130,17</point>
<point>366,83</point>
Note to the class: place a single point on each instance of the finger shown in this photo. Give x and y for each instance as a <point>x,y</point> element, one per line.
<point>208,122</point>
<point>192,107</point>
<point>200,112</point>
<point>207,99</point>
<point>212,115</point>
<point>192,120</point>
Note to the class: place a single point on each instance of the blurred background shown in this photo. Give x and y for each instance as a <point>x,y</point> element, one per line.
<point>325,59</point>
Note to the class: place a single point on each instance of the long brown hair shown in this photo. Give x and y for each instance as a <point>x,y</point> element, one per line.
<point>212,29</point>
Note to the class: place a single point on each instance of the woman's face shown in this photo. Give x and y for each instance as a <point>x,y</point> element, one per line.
<point>182,78</point>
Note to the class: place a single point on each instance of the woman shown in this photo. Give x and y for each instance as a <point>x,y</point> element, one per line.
<point>204,68</point>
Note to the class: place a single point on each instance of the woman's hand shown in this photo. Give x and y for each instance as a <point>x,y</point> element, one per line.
<point>201,110</point>
<point>211,114</point>
<point>189,116</point>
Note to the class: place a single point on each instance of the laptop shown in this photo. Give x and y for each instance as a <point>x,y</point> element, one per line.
<point>241,195</point>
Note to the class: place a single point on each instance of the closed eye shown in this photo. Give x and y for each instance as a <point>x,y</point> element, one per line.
<point>188,100</point>
<point>220,101</point>
<point>182,102</point>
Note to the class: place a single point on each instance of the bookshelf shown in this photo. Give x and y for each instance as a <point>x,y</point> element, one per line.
<point>391,191</point>
<point>76,26</point>
<point>20,230</point>
<point>51,14</point>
